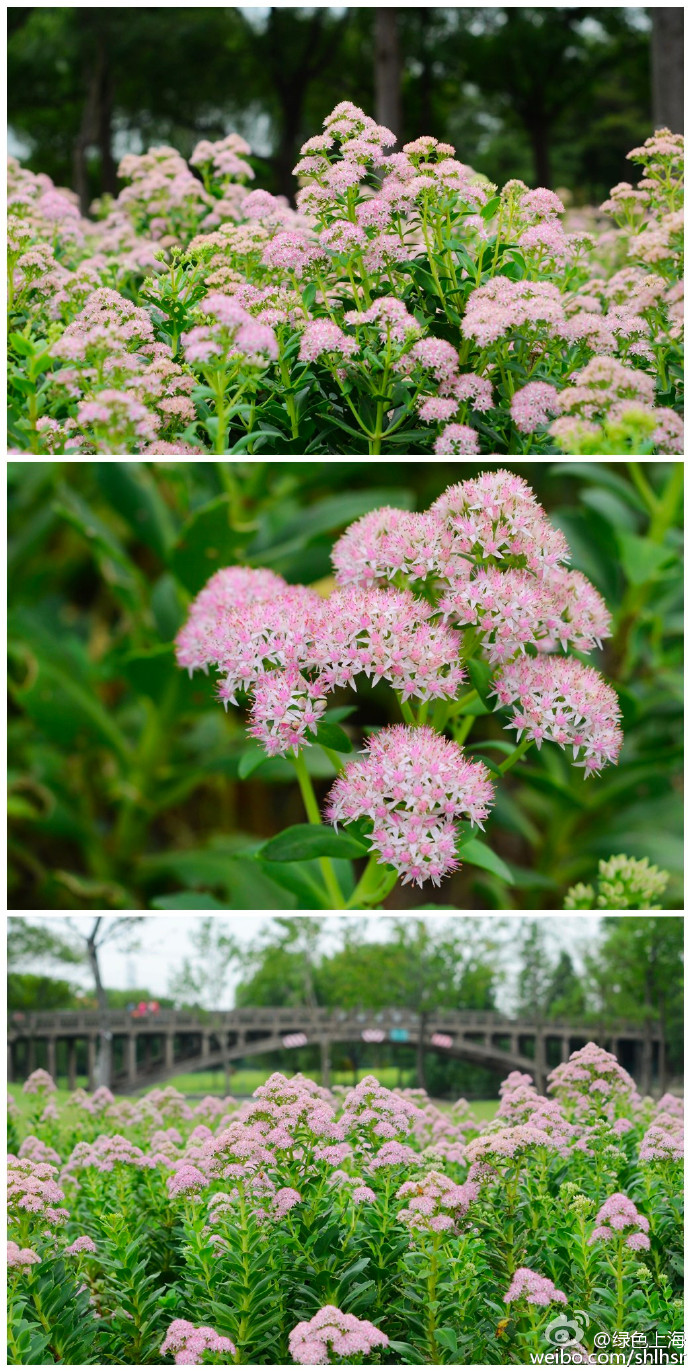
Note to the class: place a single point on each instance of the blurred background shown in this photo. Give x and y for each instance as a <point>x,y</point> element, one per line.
<point>555,96</point>
<point>131,788</point>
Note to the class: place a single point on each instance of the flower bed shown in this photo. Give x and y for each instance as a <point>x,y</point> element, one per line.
<point>406,305</point>
<point>365,1225</point>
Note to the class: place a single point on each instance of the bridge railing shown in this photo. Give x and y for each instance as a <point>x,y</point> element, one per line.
<point>313,1021</point>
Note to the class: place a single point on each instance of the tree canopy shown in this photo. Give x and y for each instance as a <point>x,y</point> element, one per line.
<point>556,96</point>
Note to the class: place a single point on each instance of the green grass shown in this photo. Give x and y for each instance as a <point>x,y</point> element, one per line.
<point>245,1082</point>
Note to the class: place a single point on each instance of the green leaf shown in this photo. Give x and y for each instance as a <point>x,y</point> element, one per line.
<point>478,854</point>
<point>249,762</point>
<point>185,899</point>
<point>63,709</point>
<point>304,841</point>
<point>206,543</point>
<point>490,207</point>
<point>642,560</point>
<point>116,567</point>
<point>333,736</point>
<point>481,676</point>
<point>131,490</point>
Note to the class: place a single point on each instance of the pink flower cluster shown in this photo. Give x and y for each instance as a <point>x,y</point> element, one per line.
<point>231,335</point>
<point>617,1216</point>
<point>561,701</point>
<point>435,1203</point>
<point>533,1288</point>
<point>32,1190</point>
<point>663,1141</point>
<point>331,1333</point>
<point>413,785</point>
<point>82,1244</point>
<point>189,1343</point>
<point>383,1113</point>
<point>38,1083</point>
<point>21,1258</point>
<point>505,1144</point>
<point>592,1074</point>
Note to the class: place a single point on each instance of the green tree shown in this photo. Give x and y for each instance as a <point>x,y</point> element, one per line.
<point>566,996</point>
<point>637,972</point>
<point>65,942</point>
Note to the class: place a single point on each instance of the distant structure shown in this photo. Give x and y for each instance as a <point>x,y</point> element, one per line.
<point>150,1049</point>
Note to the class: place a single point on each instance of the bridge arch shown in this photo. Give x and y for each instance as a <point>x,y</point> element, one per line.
<point>156,1047</point>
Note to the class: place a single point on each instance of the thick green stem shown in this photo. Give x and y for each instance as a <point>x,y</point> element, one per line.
<point>376,883</point>
<point>515,756</point>
<point>335,894</point>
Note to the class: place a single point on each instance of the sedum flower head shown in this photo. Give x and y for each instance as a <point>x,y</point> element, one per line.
<point>21,1257</point>
<point>533,1288</point>
<point>619,1216</point>
<point>38,1083</point>
<point>561,701</point>
<point>332,1334</point>
<point>497,516</point>
<point>435,1203</point>
<point>413,785</point>
<point>286,708</point>
<point>189,1343</point>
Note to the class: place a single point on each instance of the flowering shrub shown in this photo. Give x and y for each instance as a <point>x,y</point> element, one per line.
<point>405,304</point>
<point>467,607</point>
<point>311,1227</point>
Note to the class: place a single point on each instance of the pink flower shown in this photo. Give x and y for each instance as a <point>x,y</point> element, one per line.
<point>497,516</point>
<point>189,1343</point>
<point>386,542</point>
<point>535,1289</point>
<point>533,405</point>
<point>186,1179</point>
<point>617,1215</point>
<point>413,784</point>
<point>83,1244</point>
<point>291,251</point>
<point>283,1201</point>
<point>320,337</point>
<point>39,1082</point>
<point>286,708</point>
<point>435,1202</point>
<point>457,439</point>
<point>332,1333</point>
<point>562,701</point>
<point>21,1257</point>
<point>501,305</point>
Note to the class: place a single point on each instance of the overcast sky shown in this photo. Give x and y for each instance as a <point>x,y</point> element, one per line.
<point>166,939</point>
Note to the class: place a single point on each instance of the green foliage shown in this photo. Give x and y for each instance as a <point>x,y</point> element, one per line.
<point>276,1227</point>
<point>509,86</point>
<point>131,789</point>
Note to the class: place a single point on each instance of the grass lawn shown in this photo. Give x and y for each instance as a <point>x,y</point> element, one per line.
<point>245,1082</point>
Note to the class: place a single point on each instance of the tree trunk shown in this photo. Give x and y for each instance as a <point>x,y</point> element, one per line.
<point>541,152</point>
<point>105,1038</point>
<point>388,70</point>
<point>647,1041</point>
<point>426,76</point>
<point>109,180</point>
<point>421,1073</point>
<point>667,67</point>
<point>662,1045</point>
<point>96,127</point>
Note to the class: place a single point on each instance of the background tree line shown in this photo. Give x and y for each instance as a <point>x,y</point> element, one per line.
<point>633,970</point>
<point>556,96</point>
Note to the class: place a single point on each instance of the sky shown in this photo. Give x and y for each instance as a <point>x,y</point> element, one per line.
<point>165,940</point>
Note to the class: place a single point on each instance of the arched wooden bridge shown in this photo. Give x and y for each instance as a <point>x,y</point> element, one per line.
<point>151,1049</point>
